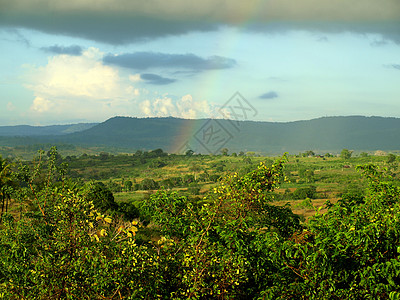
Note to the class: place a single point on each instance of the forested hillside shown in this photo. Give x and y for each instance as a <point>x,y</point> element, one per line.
<point>328,134</point>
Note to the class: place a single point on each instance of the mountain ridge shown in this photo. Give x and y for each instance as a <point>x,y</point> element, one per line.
<point>329,134</point>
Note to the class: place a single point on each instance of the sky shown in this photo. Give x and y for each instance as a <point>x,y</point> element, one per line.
<point>78,61</point>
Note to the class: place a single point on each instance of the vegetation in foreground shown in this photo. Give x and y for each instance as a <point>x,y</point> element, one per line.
<point>233,244</point>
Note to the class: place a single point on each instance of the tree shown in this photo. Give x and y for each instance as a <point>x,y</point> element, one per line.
<point>224,151</point>
<point>345,154</point>
<point>101,196</point>
<point>149,184</point>
<point>157,153</point>
<point>6,182</point>
<point>310,153</point>
<point>128,185</point>
<point>189,152</point>
<point>391,158</point>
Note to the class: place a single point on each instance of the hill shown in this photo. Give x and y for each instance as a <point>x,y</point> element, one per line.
<point>327,134</point>
<point>27,130</point>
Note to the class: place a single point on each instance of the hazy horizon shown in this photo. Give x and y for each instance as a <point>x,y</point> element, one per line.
<point>205,118</point>
<point>85,62</point>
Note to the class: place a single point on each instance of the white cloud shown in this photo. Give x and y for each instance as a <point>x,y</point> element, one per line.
<point>80,86</point>
<point>41,105</point>
<point>145,106</point>
<point>10,106</point>
<point>135,78</point>
<point>184,107</point>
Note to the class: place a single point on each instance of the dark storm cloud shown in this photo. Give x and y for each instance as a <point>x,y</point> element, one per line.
<point>156,79</point>
<point>71,50</point>
<point>110,28</point>
<point>269,95</point>
<point>146,60</point>
<point>388,30</point>
<point>125,21</point>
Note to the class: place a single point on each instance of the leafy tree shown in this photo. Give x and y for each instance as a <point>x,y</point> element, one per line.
<point>156,153</point>
<point>350,252</point>
<point>224,151</point>
<point>309,153</point>
<point>101,196</point>
<point>6,184</point>
<point>391,158</point>
<point>128,185</point>
<point>223,243</point>
<point>149,184</point>
<point>189,152</point>
<point>104,155</point>
<point>345,154</point>
<point>128,210</point>
<point>305,192</point>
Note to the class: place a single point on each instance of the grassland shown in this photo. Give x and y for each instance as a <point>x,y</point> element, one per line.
<point>312,180</point>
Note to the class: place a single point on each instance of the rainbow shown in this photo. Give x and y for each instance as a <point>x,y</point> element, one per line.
<point>210,84</point>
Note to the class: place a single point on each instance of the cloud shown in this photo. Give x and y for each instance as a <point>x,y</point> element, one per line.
<point>80,87</point>
<point>185,107</point>
<point>269,95</point>
<point>41,105</point>
<point>392,66</point>
<point>10,106</point>
<point>71,50</point>
<point>123,21</point>
<point>379,43</point>
<point>146,60</point>
<point>156,79</point>
<point>19,37</point>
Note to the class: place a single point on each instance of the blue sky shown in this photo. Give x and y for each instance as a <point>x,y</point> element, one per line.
<point>89,60</point>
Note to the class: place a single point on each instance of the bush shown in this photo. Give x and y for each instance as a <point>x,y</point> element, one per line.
<point>305,192</point>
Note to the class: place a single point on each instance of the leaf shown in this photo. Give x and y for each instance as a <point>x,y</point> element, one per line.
<point>108,220</point>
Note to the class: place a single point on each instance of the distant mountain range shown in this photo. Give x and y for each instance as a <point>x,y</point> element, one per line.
<point>327,134</point>
<point>26,130</point>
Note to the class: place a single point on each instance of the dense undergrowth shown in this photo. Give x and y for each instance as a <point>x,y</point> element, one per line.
<point>234,244</point>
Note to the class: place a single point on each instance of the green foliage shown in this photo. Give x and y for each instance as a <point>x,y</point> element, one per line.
<point>101,196</point>
<point>149,184</point>
<point>305,192</point>
<point>306,203</point>
<point>391,158</point>
<point>233,244</point>
<point>345,154</point>
<point>351,252</point>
